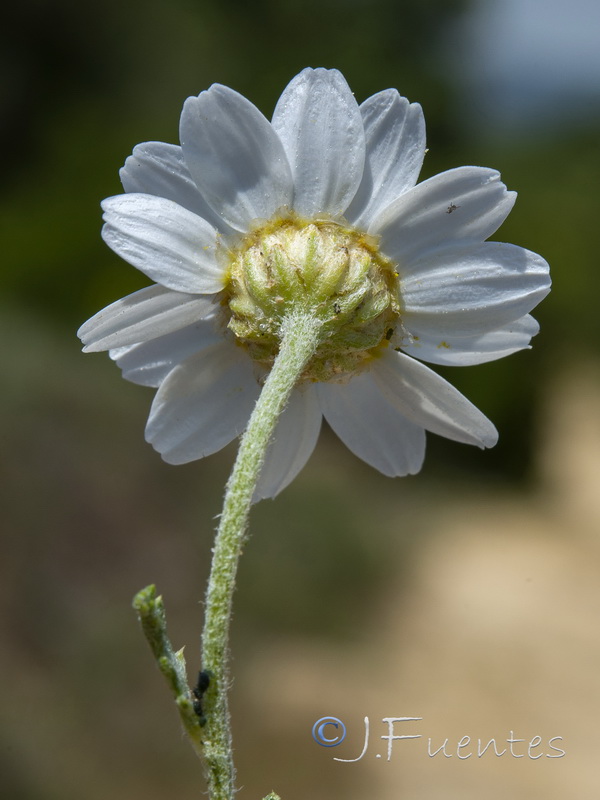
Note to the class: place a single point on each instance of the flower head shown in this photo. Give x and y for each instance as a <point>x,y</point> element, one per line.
<point>318,208</point>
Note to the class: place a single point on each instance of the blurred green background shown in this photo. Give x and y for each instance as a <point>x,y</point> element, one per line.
<point>336,590</point>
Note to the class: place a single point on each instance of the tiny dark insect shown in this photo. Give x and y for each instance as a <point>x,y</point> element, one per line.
<point>451,208</point>
<point>389,333</point>
<point>336,308</point>
<point>198,692</point>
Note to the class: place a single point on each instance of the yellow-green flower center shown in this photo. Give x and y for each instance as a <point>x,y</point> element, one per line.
<point>334,272</point>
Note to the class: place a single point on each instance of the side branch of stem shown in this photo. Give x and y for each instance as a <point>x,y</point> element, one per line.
<point>151,613</point>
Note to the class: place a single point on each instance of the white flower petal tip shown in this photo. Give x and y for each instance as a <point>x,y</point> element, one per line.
<point>477,348</point>
<point>460,303</point>
<point>168,243</point>
<point>142,316</point>
<point>371,427</point>
<point>160,169</point>
<point>235,156</point>
<point>202,404</point>
<point>395,149</point>
<point>319,123</point>
<point>462,206</point>
<point>431,402</point>
<point>327,190</point>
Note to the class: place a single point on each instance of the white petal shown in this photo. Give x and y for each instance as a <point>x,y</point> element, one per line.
<point>319,123</point>
<point>149,363</point>
<point>160,169</point>
<point>141,316</point>
<point>202,404</point>
<point>234,156</point>
<point>463,206</point>
<point>395,148</point>
<point>294,440</point>
<point>165,241</point>
<point>466,292</point>
<point>477,349</point>
<point>430,401</point>
<point>371,427</point>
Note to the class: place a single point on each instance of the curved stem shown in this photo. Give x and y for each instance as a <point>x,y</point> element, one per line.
<point>300,337</point>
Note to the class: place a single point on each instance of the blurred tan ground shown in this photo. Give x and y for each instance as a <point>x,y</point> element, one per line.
<point>499,633</point>
<point>473,606</point>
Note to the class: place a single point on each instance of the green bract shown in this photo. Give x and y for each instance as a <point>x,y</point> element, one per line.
<point>332,271</point>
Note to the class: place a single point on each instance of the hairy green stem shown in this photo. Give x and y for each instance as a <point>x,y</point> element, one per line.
<point>300,338</point>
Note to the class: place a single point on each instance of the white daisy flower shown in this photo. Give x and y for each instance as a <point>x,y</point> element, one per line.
<point>318,207</point>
